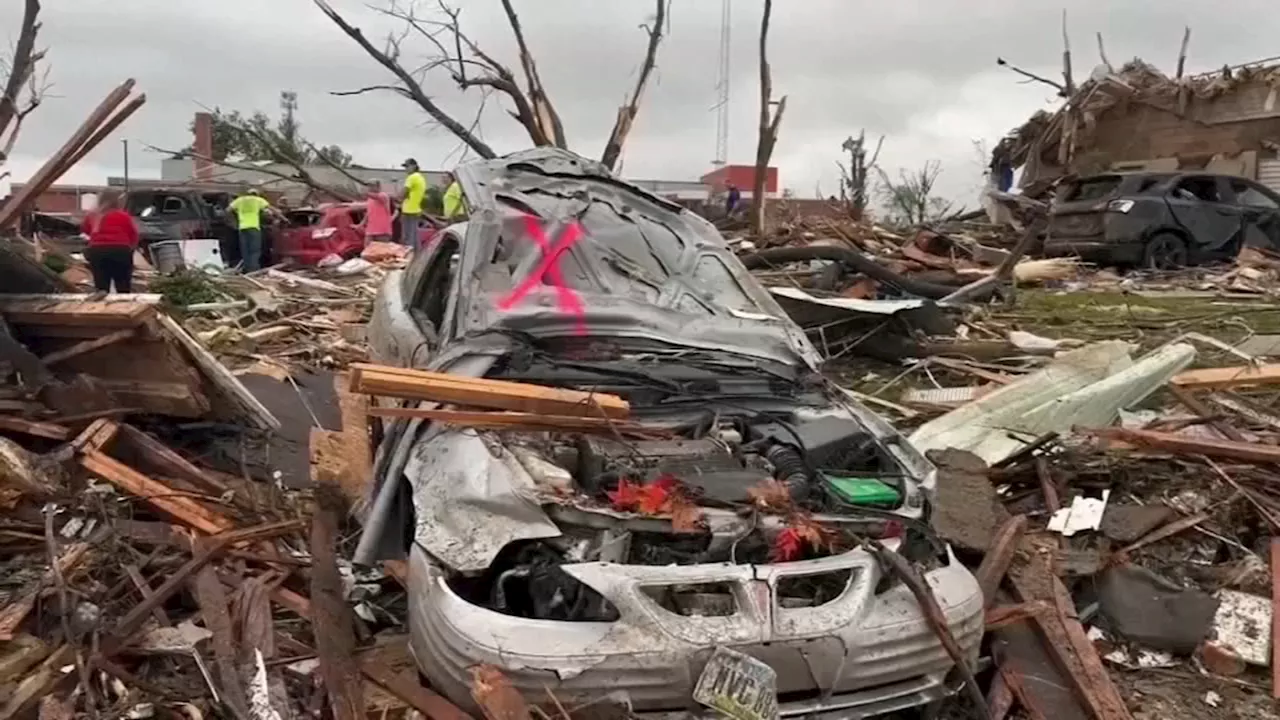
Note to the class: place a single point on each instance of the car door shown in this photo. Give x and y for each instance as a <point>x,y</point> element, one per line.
<point>1202,205</point>
<point>1260,208</point>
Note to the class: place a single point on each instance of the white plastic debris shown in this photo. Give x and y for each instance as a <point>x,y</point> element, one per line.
<point>354,266</point>
<point>1212,699</point>
<point>1085,513</point>
<point>1030,342</point>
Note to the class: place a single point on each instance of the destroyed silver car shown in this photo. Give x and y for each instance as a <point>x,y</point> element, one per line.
<point>519,554</point>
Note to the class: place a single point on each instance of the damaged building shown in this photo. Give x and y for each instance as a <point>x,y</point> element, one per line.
<point>1138,118</point>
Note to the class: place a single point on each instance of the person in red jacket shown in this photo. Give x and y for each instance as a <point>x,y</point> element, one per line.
<point>113,238</point>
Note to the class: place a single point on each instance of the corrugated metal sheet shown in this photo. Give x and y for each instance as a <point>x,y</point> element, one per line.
<point>1269,172</point>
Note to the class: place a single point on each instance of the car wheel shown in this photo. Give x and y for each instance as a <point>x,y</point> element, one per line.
<point>1165,251</point>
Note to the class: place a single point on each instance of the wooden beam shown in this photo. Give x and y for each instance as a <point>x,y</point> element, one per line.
<point>51,431</point>
<point>1182,445</point>
<point>335,644</point>
<point>156,494</point>
<point>1225,378</point>
<point>88,346</point>
<point>511,420</point>
<point>996,562</point>
<point>412,384</point>
<point>96,436</point>
<point>81,313</point>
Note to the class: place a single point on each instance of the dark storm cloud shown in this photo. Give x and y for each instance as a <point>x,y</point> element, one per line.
<point>921,73</point>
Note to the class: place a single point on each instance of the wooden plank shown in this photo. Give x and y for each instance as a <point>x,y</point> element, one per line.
<point>157,494</point>
<point>167,462</point>
<point>996,562</point>
<point>354,408</point>
<point>485,393</point>
<point>1192,403</point>
<point>144,589</point>
<point>176,399</point>
<point>38,683</point>
<point>77,313</point>
<point>513,420</point>
<point>219,376</point>
<point>1275,618</point>
<point>1038,685</point>
<point>1182,445</point>
<point>212,599</point>
<point>405,686</point>
<point>51,431</point>
<point>335,645</point>
<point>1227,377</point>
<point>999,697</point>
<point>88,346</point>
<point>96,436</point>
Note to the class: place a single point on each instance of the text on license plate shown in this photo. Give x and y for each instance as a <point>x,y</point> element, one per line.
<point>739,686</point>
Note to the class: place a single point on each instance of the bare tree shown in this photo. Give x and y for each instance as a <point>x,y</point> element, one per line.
<point>454,53</point>
<point>910,199</point>
<point>770,118</point>
<point>854,178</point>
<point>24,85</point>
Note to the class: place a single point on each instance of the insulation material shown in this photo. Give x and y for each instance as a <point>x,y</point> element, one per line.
<point>1086,387</point>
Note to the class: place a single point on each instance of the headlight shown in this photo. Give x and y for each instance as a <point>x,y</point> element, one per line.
<point>1120,206</point>
<point>322,233</point>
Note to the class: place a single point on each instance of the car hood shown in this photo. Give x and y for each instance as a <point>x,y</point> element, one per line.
<point>643,267</point>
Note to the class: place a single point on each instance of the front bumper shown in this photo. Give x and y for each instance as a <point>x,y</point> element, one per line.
<point>859,655</point>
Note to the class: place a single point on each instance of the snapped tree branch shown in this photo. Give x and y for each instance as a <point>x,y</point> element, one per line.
<point>769,122</point>
<point>410,86</point>
<point>627,113</point>
<point>22,73</point>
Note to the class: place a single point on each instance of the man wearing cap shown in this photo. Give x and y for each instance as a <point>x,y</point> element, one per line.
<point>415,189</point>
<point>248,207</point>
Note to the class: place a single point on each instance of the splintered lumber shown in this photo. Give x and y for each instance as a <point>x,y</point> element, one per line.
<point>214,608</point>
<point>1064,637</point>
<point>1182,445</point>
<point>52,431</point>
<point>1226,378</point>
<point>412,384</point>
<point>157,494</point>
<point>12,614</point>
<point>38,683</point>
<point>996,562</point>
<point>96,436</point>
<point>358,448</point>
<point>496,696</point>
<point>511,420</point>
<point>405,686</point>
<point>206,553</point>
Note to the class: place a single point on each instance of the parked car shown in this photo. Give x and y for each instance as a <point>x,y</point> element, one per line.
<point>519,554</point>
<point>1161,220</point>
<point>311,234</point>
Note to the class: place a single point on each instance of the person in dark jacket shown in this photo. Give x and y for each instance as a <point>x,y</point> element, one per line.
<point>113,238</point>
<point>733,200</point>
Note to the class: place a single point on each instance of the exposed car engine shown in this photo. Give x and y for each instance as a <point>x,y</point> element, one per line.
<point>828,476</point>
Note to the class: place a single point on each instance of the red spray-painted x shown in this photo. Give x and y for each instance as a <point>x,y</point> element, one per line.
<point>549,269</point>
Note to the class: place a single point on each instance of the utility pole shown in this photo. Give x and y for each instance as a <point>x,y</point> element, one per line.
<point>125,143</point>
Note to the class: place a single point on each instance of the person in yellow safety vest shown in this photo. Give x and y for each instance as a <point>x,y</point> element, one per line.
<point>415,189</point>
<point>455,207</point>
<point>248,207</point>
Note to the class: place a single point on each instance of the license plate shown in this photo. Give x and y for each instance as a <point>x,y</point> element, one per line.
<point>738,686</point>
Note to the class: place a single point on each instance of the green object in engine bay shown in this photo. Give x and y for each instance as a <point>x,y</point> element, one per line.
<point>861,491</point>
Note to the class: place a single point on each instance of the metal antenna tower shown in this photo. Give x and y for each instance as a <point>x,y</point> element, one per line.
<point>722,88</point>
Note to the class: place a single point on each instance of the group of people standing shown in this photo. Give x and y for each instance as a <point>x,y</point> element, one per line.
<point>416,200</point>
<point>113,235</point>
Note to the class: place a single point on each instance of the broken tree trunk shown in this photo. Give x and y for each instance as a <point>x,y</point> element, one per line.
<point>545,116</point>
<point>627,113</point>
<point>768,125</point>
<point>21,67</point>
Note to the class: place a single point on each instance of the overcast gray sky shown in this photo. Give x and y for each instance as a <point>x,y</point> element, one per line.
<point>921,73</point>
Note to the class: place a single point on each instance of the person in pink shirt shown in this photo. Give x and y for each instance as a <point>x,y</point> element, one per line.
<point>377,217</point>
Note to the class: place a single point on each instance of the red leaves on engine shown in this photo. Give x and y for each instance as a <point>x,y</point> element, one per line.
<point>664,496</point>
<point>771,495</point>
<point>801,533</point>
